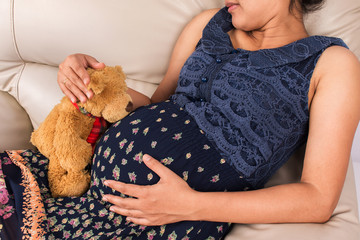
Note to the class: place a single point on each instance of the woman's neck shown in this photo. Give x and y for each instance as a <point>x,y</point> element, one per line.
<point>273,35</point>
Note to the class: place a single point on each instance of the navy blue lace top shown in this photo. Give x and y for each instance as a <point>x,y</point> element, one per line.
<point>253,105</point>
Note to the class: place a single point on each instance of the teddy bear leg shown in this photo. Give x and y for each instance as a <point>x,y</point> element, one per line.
<point>74,155</point>
<point>75,184</point>
<point>55,175</point>
<point>67,184</point>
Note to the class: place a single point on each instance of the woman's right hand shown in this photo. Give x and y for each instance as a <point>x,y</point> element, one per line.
<point>73,77</point>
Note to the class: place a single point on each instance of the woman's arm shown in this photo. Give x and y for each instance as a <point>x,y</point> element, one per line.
<point>334,116</point>
<point>184,47</point>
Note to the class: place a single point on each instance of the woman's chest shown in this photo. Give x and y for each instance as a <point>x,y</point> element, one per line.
<point>220,79</point>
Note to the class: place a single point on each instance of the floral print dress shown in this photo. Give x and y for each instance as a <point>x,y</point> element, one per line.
<point>164,131</point>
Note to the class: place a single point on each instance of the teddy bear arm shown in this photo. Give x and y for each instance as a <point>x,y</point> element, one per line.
<point>71,148</point>
<point>42,138</point>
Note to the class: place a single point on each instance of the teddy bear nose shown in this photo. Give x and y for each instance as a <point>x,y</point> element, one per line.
<point>129,107</point>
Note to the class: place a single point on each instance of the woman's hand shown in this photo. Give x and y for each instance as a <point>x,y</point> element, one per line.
<point>73,77</point>
<point>170,200</point>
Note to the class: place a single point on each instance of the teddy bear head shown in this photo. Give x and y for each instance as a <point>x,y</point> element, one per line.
<point>110,99</point>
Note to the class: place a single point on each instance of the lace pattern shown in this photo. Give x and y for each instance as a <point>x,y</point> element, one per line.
<point>252,104</point>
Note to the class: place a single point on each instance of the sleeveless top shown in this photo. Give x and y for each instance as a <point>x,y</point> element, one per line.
<point>252,105</point>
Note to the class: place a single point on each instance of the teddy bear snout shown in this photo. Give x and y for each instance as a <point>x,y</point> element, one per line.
<point>129,107</point>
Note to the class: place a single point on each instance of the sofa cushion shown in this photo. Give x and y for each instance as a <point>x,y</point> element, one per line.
<point>337,19</point>
<point>109,31</point>
<point>343,224</point>
<point>140,33</point>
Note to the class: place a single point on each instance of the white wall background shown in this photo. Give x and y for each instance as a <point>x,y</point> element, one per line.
<point>355,155</point>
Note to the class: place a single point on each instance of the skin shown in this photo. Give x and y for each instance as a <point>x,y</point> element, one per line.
<point>334,116</point>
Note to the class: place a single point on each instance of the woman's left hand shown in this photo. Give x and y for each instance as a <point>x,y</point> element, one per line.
<point>168,201</point>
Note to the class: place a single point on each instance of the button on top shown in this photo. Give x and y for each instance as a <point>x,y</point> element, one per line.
<point>204,79</point>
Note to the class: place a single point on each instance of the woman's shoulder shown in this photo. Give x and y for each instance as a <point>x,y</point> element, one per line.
<point>337,75</point>
<point>199,22</point>
<point>338,60</point>
<point>194,29</point>
<point>206,15</point>
<point>339,52</point>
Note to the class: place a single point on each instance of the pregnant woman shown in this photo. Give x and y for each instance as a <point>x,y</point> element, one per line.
<point>246,86</point>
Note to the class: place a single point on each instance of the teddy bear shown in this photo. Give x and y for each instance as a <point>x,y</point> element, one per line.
<point>66,137</point>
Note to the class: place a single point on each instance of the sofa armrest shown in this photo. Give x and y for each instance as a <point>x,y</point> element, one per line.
<point>15,127</point>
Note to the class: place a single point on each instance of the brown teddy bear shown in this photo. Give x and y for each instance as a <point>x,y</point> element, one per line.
<point>64,137</point>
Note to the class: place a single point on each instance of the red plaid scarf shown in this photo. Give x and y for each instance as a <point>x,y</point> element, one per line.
<point>98,128</point>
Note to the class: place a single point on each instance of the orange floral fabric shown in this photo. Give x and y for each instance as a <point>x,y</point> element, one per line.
<point>33,207</point>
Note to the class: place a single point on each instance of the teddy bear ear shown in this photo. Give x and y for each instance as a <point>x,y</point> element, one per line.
<point>96,85</point>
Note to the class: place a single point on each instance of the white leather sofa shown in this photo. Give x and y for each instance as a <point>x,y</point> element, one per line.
<point>36,35</point>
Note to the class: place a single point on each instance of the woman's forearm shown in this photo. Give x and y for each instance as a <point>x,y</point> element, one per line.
<point>138,99</point>
<point>298,202</point>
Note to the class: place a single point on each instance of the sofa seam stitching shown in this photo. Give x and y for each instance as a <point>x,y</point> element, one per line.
<point>12,19</point>
<point>12,22</point>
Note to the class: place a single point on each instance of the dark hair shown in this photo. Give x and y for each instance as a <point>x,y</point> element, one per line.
<point>307,6</point>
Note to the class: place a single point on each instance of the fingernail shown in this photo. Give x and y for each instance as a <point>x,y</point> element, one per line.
<point>106,183</point>
<point>112,209</point>
<point>146,158</point>
<point>105,198</point>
